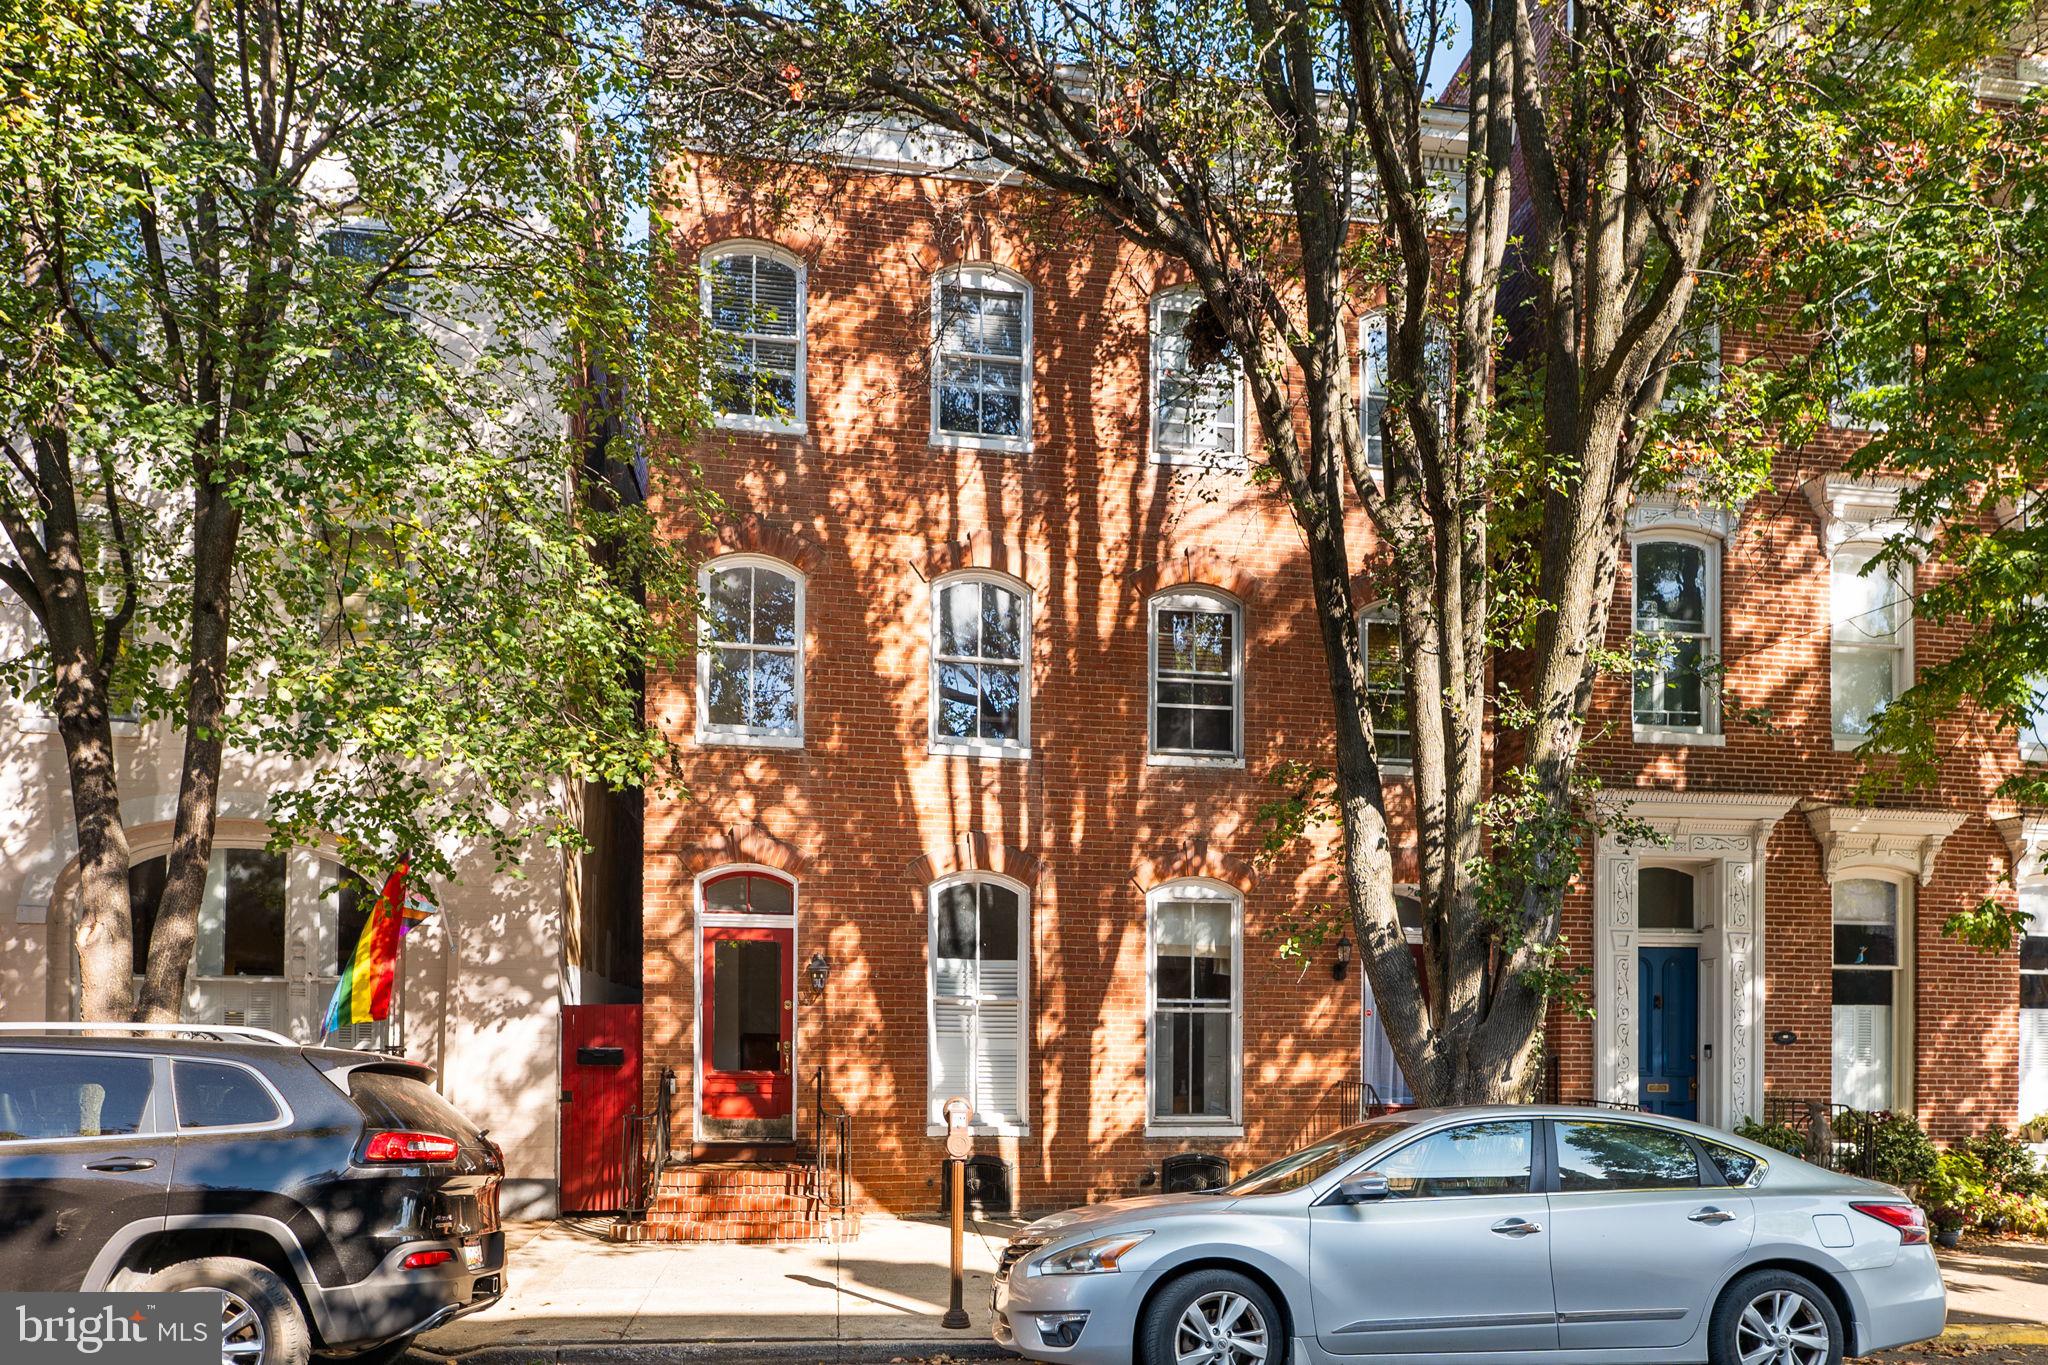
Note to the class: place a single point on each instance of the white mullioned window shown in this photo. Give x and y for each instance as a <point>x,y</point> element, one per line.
<point>1373,393</point>
<point>1872,1037</point>
<point>2034,998</point>
<point>1677,631</point>
<point>750,676</point>
<point>979,998</point>
<point>1860,379</point>
<point>981,367</point>
<point>1386,689</point>
<point>1197,659</point>
<point>1195,413</point>
<point>1871,660</point>
<point>981,664</point>
<point>2034,733</point>
<point>1196,982</point>
<point>753,302</point>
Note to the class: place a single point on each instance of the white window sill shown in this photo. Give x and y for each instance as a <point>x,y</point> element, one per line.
<point>1651,734</point>
<point>1845,744</point>
<point>766,426</point>
<point>1397,767</point>
<point>959,440</point>
<point>1201,459</point>
<point>982,1129</point>
<point>716,739</point>
<point>1194,1130</point>
<point>1194,761</point>
<point>38,723</point>
<point>965,749</point>
<point>2034,753</point>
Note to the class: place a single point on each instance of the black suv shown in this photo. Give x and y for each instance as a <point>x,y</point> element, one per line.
<point>339,1204</point>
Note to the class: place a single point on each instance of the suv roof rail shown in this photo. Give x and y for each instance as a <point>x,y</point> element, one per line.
<point>260,1035</point>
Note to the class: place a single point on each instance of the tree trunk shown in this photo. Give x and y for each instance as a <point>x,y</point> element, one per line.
<point>102,928</point>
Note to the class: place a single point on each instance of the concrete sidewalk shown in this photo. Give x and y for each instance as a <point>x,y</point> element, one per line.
<point>1998,1292</point>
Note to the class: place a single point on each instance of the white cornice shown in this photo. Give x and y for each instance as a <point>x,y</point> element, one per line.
<point>1681,812</point>
<point>1858,838</point>
<point>1669,511</point>
<point>2026,836</point>
<point>1857,509</point>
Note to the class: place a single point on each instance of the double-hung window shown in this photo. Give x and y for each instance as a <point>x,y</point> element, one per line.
<point>1871,660</point>
<point>1864,370</point>
<point>1197,677</point>
<point>2034,730</point>
<point>753,304</point>
<point>1869,995</point>
<point>1197,989</point>
<point>980,942</point>
<point>750,653</point>
<point>1194,411</point>
<point>1676,624</point>
<point>1373,392</point>
<point>2034,998</point>
<point>981,672</point>
<point>981,382</point>
<point>1386,690</point>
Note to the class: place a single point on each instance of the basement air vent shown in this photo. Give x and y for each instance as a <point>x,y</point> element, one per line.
<point>1188,1172</point>
<point>991,1189</point>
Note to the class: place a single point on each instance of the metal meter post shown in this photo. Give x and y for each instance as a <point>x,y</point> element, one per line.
<point>959,1146</point>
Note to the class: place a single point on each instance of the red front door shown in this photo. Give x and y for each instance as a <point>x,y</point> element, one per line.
<point>749,1024</point>
<point>600,1086</point>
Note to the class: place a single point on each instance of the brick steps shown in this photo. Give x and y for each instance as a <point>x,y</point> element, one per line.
<point>731,1201</point>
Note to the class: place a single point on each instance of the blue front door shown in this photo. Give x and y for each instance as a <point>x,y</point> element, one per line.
<point>1668,1058</point>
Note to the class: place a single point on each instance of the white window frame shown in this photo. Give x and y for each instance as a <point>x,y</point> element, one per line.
<point>935,1119</point>
<point>1839,413</point>
<point>2036,882</point>
<point>2033,736</point>
<point>941,743</point>
<point>705,917</point>
<point>1381,616</point>
<point>1162,453</point>
<point>991,278</point>
<point>1903,974</point>
<point>1708,731</point>
<point>1376,321</point>
<point>1182,1125</point>
<point>1369,1017</point>
<point>744,736</point>
<point>1194,599</point>
<point>1901,651</point>
<point>797,423</point>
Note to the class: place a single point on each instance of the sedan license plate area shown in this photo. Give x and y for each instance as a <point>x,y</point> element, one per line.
<point>472,1255</point>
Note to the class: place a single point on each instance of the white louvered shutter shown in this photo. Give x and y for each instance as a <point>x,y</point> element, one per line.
<point>2033,1064</point>
<point>952,1053</point>
<point>1862,1056</point>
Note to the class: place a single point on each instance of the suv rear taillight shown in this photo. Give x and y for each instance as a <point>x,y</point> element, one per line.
<point>410,1147</point>
<point>1907,1218</point>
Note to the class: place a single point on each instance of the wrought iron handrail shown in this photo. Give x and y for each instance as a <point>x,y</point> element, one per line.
<point>646,1149</point>
<point>1837,1137</point>
<point>842,1159</point>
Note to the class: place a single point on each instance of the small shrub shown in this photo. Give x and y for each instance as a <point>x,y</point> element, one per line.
<point>1781,1136</point>
<point>2008,1165</point>
<point>1890,1144</point>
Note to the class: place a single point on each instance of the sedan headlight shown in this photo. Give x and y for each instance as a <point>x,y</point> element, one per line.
<point>1097,1257</point>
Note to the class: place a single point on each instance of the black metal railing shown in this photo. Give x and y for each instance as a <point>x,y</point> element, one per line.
<point>829,1181</point>
<point>1830,1135</point>
<point>646,1149</point>
<point>1348,1102</point>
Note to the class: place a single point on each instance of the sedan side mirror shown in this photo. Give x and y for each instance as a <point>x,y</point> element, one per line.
<point>1365,1189</point>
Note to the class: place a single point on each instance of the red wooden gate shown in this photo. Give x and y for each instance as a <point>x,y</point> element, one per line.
<point>600,1086</point>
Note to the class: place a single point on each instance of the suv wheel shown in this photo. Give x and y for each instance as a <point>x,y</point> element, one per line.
<point>261,1322</point>
<point>1774,1317</point>
<point>1212,1317</point>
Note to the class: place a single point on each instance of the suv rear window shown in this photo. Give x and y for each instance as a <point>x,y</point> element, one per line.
<point>214,1095</point>
<point>71,1095</point>
<point>389,1099</point>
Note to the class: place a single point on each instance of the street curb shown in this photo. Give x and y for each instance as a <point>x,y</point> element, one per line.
<point>1993,1334</point>
<point>794,1352</point>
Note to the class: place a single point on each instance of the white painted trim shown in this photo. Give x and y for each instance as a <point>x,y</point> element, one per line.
<point>752,246</point>
<point>1194,597</point>
<point>1027,954</point>
<point>1901,650</point>
<point>1858,841</point>
<point>741,736</point>
<point>700,917</point>
<point>938,743</point>
<point>1699,739</point>
<point>1195,889</point>
<point>1905,976</point>
<point>984,275</point>
<point>1708,731</point>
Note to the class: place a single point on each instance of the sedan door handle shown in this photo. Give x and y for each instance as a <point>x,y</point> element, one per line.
<point>1516,1227</point>
<point>1710,1214</point>
<point>122,1163</point>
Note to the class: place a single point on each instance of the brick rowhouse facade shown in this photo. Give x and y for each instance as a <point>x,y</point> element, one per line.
<point>865,815</point>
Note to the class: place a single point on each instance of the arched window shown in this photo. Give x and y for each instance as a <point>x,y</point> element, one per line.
<point>1677,631</point>
<point>1872,1002</point>
<point>750,676</point>
<point>1871,659</point>
<point>753,302</point>
<point>981,665</point>
<point>748,893</point>
<point>1666,898</point>
<point>979,984</point>
<point>1195,1056</point>
<point>1197,659</point>
<point>981,363</point>
<point>1195,415</point>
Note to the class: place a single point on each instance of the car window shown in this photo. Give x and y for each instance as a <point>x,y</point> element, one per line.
<point>71,1094</point>
<point>1316,1160</point>
<point>1737,1168</point>
<point>212,1095</point>
<point>1623,1156</point>
<point>391,1100</point>
<point>1477,1158</point>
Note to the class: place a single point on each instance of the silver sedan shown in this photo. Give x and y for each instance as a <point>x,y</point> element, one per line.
<point>1497,1235</point>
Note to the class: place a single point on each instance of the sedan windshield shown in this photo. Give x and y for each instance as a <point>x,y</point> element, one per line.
<point>1318,1159</point>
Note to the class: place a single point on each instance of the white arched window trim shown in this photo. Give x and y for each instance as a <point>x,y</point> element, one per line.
<point>1018,1124</point>
<point>1163,451</point>
<point>1180,1125</point>
<point>940,742</point>
<point>983,275</point>
<point>761,738</point>
<point>1198,599</point>
<point>1708,540</point>
<point>796,423</point>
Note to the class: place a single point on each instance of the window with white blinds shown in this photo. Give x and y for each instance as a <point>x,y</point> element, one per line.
<point>1197,677</point>
<point>1868,956</point>
<point>981,383</point>
<point>1194,411</point>
<point>754,317</point>
<point>1197,985</point>
<point>979,984</point>
<point>2034,1001</point>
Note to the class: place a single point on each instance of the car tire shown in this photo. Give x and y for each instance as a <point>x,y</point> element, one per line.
<point>390,1353</point>
<point>1185,1315</point>
<point>273,1310</point>
<point>1772,1317</point>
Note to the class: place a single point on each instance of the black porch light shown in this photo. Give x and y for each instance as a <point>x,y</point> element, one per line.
<point>1341,968</point>
<point>819,968</point>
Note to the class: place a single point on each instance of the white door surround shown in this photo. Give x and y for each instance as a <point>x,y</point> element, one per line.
<point>1721,839</point>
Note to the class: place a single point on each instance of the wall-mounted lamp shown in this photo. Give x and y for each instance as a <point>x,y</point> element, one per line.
<point>819,968</point>
<point>1341,968</point>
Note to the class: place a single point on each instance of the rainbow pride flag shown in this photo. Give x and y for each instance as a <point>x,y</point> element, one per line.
<point>363,995</point>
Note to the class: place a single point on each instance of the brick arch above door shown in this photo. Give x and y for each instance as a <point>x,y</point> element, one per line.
<point>975,851</point>
<point>750,843</point>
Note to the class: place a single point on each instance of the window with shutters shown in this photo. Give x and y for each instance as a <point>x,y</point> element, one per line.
<point>753,301</point>
<point>1677,629</point>
<point>979,992</point>
<point>1194,411</point>
<point>750,677</point>
<point>1197,986</point>
<point>1871,654</point>
<point>2034,1000</point>
<point>1871,999</point>
<point>1197,650</point>
<point>981,669</point>
<point>981,366</point>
